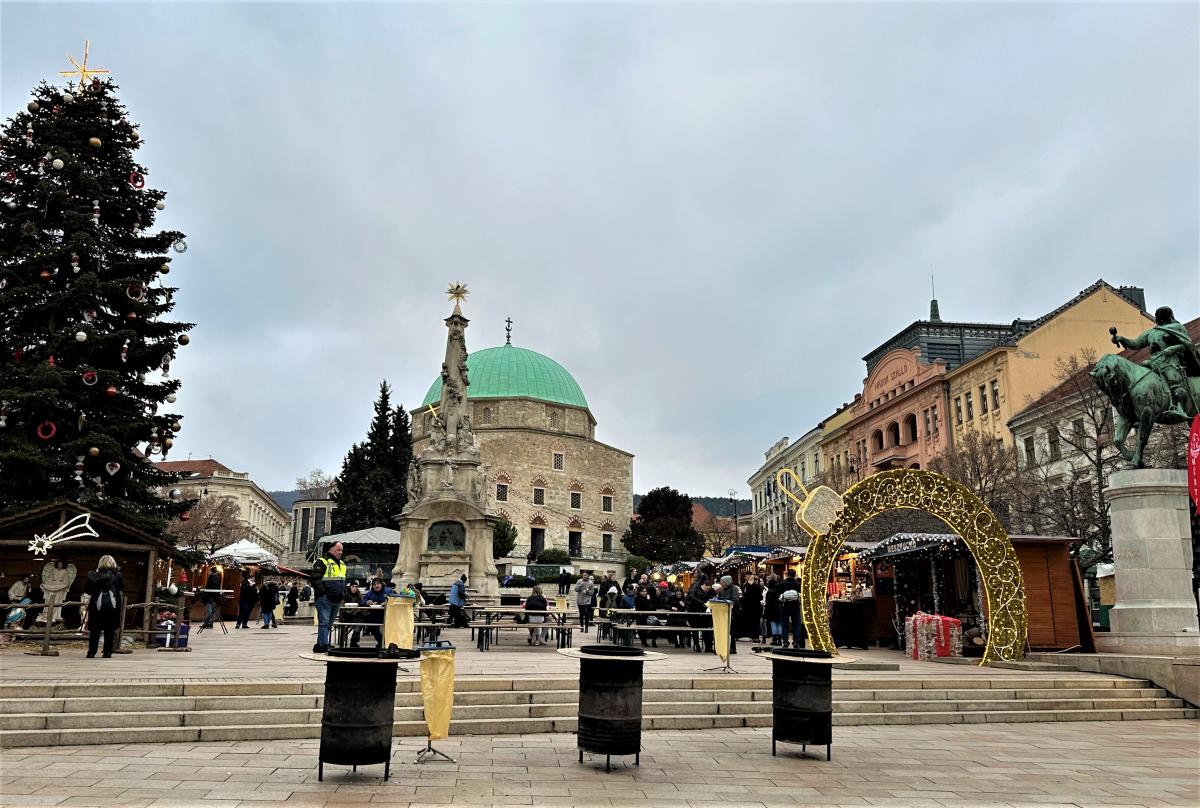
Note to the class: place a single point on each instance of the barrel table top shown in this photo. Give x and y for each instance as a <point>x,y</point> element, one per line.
<point>647,656</point>
<point>833,660</point>
<point>355,660</point>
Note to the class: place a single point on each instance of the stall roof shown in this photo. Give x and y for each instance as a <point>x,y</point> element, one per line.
<point>372,535</point>
<point>903,543</point>
<point>242,553</point>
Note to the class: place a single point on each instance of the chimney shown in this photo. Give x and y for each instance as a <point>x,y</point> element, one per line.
<point>935,316</point>
<point>1135,295</point>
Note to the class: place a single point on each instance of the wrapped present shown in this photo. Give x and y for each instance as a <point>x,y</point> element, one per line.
<point>932,635</point>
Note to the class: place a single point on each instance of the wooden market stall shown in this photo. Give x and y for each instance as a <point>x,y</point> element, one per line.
<point>138,554</point>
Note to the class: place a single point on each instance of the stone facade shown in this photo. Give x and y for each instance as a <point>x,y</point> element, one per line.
<point>772,517</point>
<point>900,420</point>
<point>311,519</point>
<point>519,439</point>
<point>267,523</point>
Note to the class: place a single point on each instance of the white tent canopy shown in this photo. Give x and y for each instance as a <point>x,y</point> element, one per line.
<point>242,553</point>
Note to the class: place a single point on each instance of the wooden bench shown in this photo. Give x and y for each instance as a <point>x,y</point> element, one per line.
<point>487,633</point>
<point>623,634</point>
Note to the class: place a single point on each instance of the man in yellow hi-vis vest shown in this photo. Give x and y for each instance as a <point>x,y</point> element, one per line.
<point>328,576</point>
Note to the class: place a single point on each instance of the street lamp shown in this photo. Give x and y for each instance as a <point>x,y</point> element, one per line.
<point>733,507</point>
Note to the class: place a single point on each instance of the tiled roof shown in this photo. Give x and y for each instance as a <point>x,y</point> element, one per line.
<point>1025,326</point>
<point>193,468</point>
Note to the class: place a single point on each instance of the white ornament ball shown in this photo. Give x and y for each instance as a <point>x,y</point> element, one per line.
<point>68,97</point>
<point>58,164</point>
<point>160,204</point>
<point>176,494</point>
<point>171,398</point>
<point>12,205</point>
<point>172,590</point>
<point>81,336</point>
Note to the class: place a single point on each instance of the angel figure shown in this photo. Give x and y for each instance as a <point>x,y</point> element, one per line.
<point>57,578</point>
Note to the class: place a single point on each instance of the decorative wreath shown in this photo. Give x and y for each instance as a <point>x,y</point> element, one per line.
<point>47,430</point>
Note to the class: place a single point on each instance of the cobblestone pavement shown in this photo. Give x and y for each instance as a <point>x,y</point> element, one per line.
<point>1143,763</point>
<point>274,654</point>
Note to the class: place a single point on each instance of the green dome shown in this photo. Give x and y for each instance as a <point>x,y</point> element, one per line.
<point>512,372</point>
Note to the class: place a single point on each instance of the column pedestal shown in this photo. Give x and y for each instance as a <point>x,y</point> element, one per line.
<point>1155,611</point>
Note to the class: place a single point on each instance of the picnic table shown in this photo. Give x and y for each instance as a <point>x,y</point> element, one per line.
<point>621,624</point>
<point>493,619</point>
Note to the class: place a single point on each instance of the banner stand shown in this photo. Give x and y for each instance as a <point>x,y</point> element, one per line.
<point>437,695</point>
<point>722,612</point>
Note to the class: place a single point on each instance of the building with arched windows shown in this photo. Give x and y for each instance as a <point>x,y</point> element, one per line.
<point>546,472</point>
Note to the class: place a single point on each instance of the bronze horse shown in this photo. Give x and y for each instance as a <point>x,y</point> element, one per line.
<point>1140,397</point>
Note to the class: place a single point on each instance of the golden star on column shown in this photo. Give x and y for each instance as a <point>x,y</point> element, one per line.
<point>457,292</point>
<point>84,72</point>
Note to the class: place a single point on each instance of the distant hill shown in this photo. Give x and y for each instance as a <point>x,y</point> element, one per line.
<point>285,498</point>
<point>717,506</point>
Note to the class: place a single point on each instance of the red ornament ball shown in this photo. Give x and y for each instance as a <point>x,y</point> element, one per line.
<point>131,315</point>
<point>186,515</point>
<point>44,275</point>
<point>110,390</point>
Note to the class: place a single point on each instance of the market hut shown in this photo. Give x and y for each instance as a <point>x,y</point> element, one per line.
<point>137,553</point>
<point>935,573</point>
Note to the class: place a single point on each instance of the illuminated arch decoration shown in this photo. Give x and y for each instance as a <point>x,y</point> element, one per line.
<point>964,513</point>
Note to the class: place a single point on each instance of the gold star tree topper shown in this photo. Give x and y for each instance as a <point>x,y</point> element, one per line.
<point>457,292</point>
<point>84,72</point>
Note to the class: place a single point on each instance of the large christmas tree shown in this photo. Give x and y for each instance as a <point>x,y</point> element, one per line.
<point>84,350</point>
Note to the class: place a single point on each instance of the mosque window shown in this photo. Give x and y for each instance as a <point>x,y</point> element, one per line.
<point>539,496</point>
<point>554,419</point>
<point>576,500</point>
<point>501,492</point>
<point>606,503</point>
<point>560,461</point>
<point>607,539</point>
<point>485,417</point>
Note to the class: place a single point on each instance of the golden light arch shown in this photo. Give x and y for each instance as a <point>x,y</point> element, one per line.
<point>966,515</point>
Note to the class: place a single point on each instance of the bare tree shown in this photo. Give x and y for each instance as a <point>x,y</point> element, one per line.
<point>314,485</point>
<point>213,522</point>
<point>985,465</point>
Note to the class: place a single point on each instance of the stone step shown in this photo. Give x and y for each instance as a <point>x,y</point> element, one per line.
<point>493,726</point>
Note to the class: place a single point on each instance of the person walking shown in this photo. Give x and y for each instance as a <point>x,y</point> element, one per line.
<point>771,608</point>
<point>268,595</point>
<point>104,587</point>
<point>457,600</point>
<point>293,601</point>
<point>564,582</point>
<point>585,591</point>
<point>247,598</point>
<point>328,577</point>
<point>536,602</point>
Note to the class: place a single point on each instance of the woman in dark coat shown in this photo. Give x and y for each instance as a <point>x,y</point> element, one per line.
<point>697,602</point>
<point>268,600</point>
<point>293,601</point>
<point>675,602</point>
<point>104,588</point>
<point>771,610</point>
<point>752,610</point>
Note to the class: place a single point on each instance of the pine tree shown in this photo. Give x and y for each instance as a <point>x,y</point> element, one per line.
<point>83,303</point>
<point>663,530</point>
<point>371,488</point>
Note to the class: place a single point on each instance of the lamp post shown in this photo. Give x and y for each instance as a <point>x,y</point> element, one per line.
<point>733,507</point>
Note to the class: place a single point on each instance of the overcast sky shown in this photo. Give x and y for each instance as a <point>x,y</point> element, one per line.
<point>707,213</point>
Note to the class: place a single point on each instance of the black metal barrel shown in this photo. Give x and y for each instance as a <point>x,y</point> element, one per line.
<point>802,698</point>
<point>360,705</point>
<point>610,700</point>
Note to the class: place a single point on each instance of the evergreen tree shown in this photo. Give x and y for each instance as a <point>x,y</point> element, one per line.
<point>662,530</point>
<point>371,489</point>
<point>83,305</point>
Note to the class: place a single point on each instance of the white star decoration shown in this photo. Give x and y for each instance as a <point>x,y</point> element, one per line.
<point>77,528</point>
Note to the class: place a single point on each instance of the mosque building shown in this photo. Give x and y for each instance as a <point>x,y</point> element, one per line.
<point>546,472</point>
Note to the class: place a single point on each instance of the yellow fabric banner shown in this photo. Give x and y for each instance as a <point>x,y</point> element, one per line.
<point>560,603</point>
<point>437,691</point>
<point>722,613</point>
<point>398,623</point>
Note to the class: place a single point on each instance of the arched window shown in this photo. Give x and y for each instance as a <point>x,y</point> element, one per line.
<point>485,417</point>
<point>910,428</point>
<point>554,418</point>
<point>877,441</point>
<point>893,434</point>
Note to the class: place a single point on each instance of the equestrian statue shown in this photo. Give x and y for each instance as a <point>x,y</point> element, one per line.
<point>1165,389</point>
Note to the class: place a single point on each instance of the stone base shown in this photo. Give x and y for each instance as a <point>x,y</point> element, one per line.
<point>1174,644</point>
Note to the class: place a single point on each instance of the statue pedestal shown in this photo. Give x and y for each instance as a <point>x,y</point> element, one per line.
<point>446,533</point>
<point>1155,611</point>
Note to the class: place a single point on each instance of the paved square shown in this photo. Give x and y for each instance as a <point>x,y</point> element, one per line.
<point>1134,763</point>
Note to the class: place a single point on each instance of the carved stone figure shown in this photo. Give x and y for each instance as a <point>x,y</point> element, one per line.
<point>414,485</point>
<point>57,578</point>
<point>480,486</point>
<point>448,467</point>
<point>1164,390</point>
<point>437,435</point>
<point>466,437</point>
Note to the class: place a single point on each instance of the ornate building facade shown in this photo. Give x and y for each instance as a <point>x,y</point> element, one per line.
<point>267,524</point>
<point>546,472</point>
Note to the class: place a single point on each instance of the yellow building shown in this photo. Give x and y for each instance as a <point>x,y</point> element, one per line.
<point>836,447</point>
<point>985,392</point>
